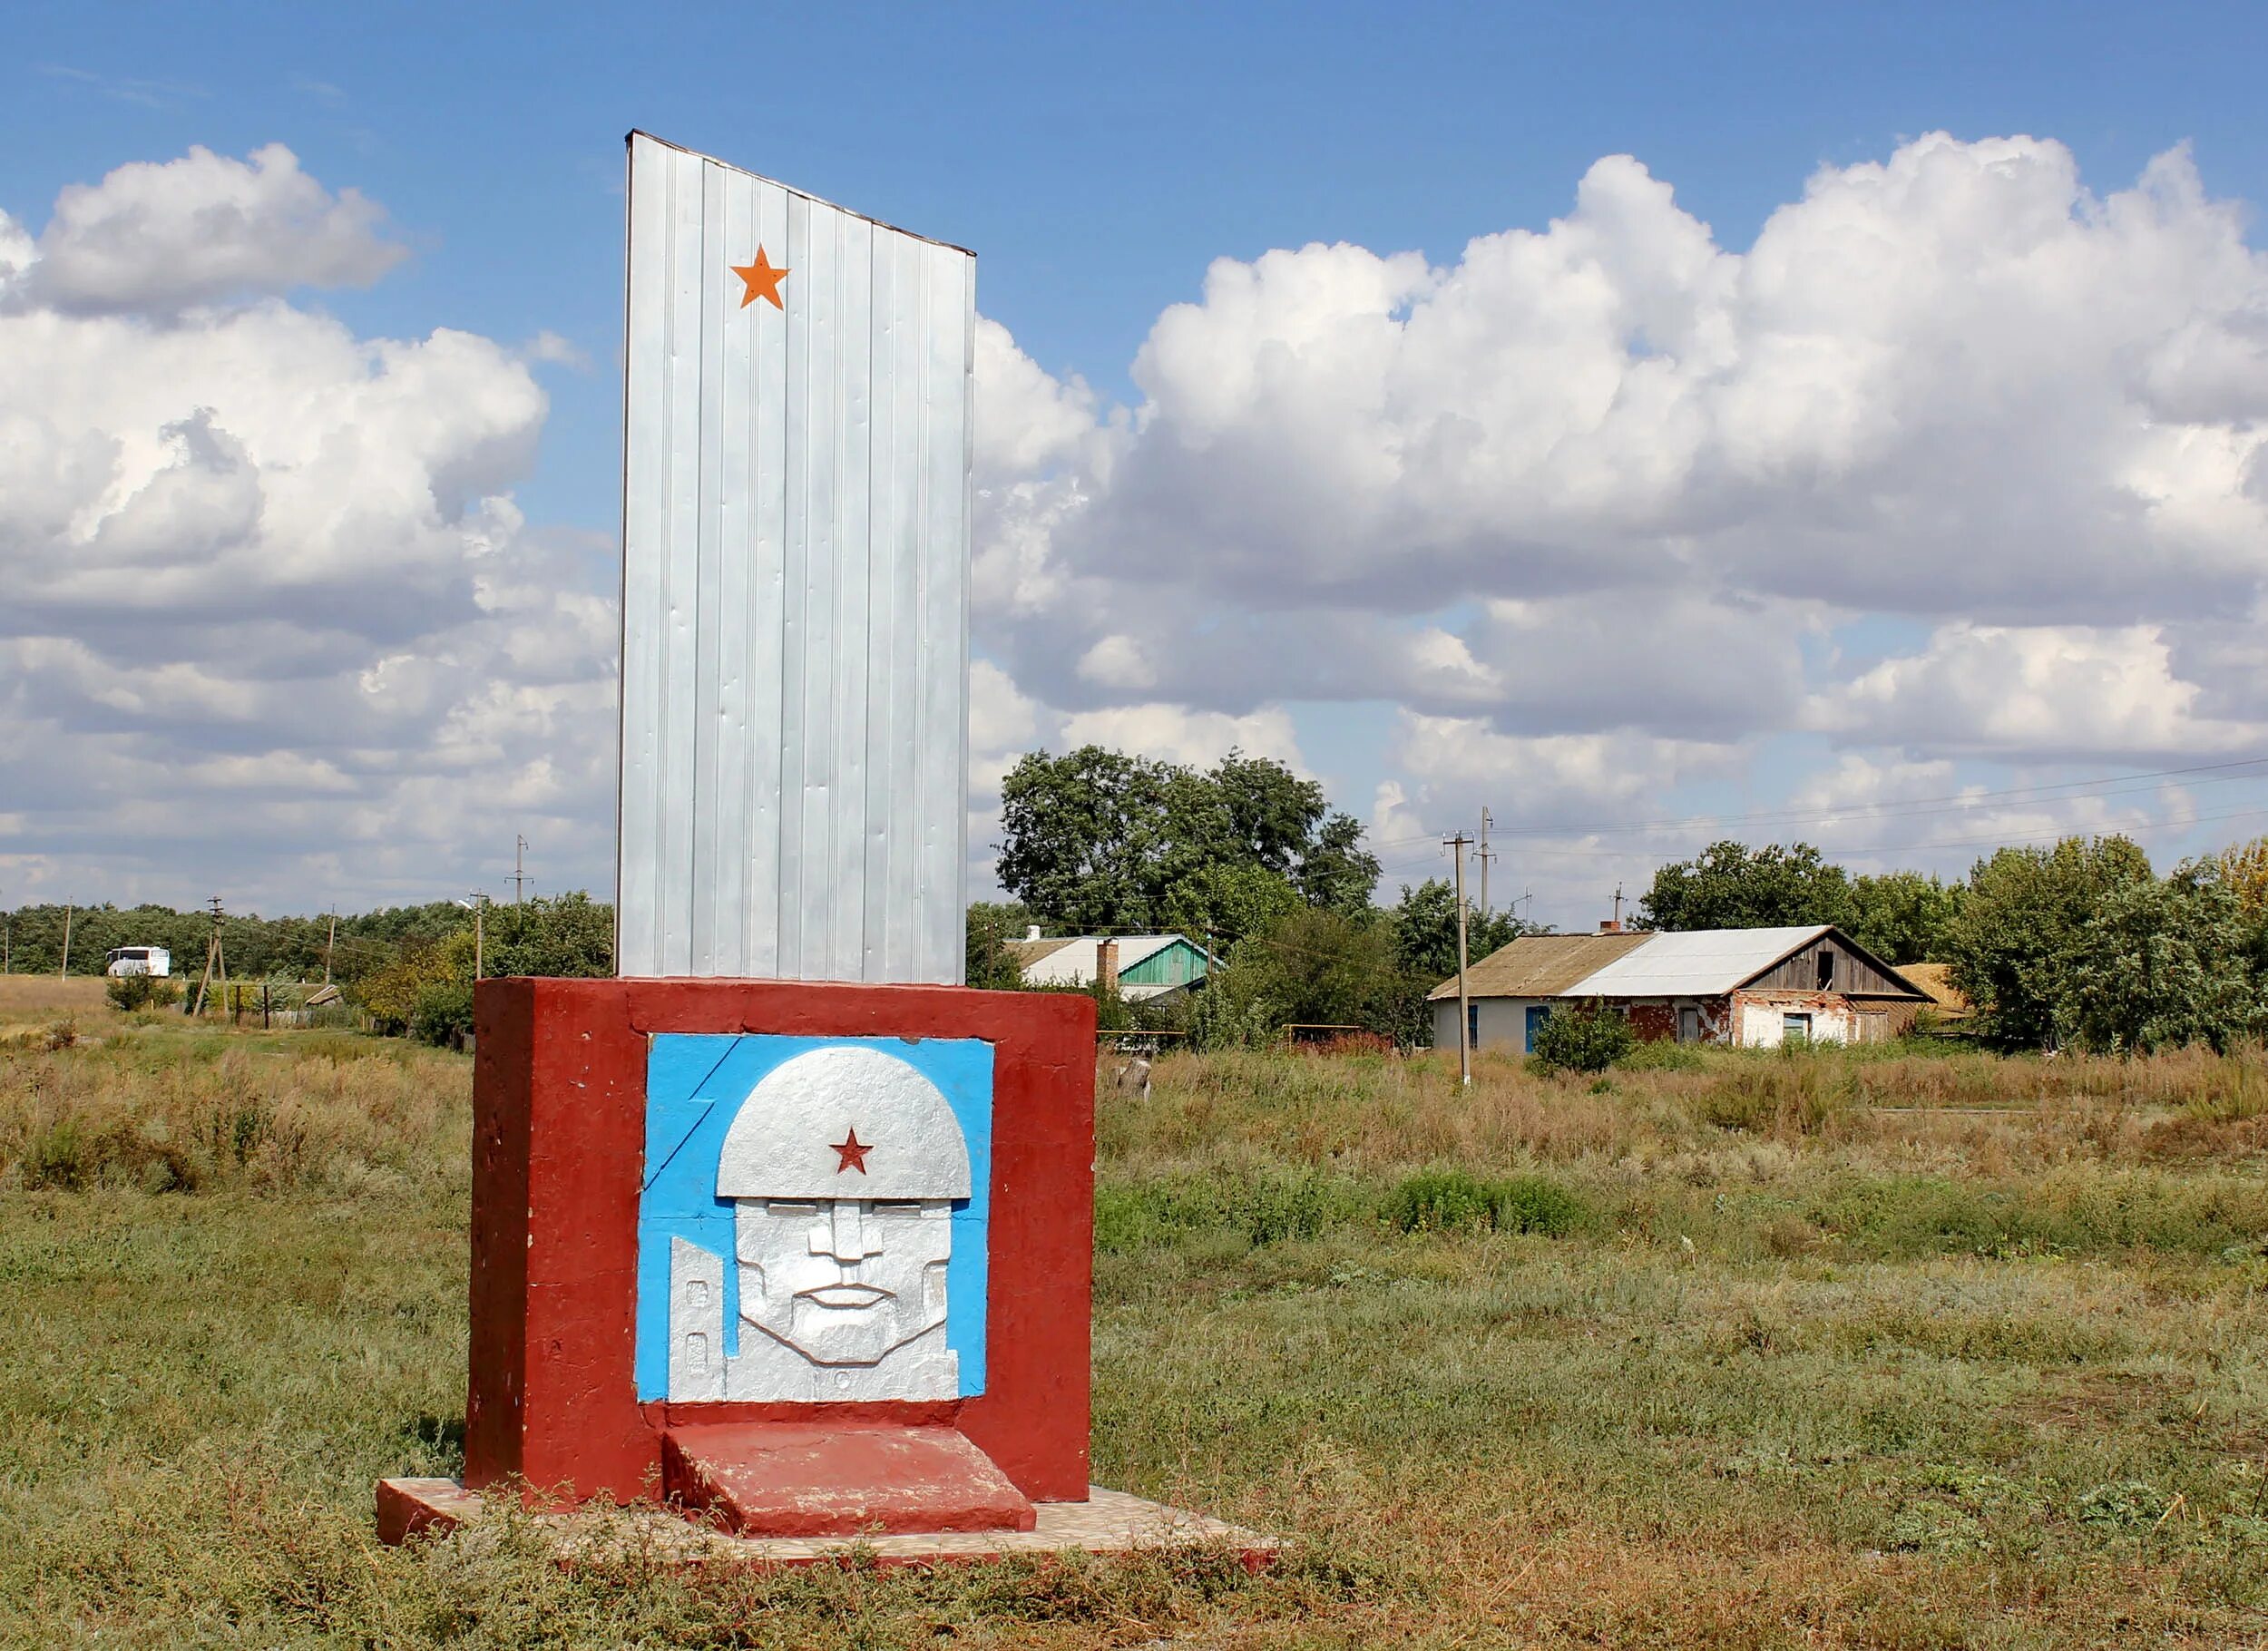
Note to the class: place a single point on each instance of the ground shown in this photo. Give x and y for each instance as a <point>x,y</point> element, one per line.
<point>1884,1348</point>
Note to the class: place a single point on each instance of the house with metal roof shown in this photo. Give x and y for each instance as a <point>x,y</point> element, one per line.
<point>1756,987</point>
<point>1142,967</point>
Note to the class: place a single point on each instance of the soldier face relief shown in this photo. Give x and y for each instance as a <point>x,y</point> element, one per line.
<point>844,1281</point>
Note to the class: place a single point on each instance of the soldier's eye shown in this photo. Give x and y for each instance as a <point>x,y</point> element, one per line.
<point>897,1206</point>
<point>783,1206</point>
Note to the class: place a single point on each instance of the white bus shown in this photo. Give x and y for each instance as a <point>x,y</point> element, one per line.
<point>137,959</point>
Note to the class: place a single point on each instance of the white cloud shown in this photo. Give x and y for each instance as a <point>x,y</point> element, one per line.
<point>269,591</point>
<point>1175,733</point>
<point>1953,384</point>
<point>162,237</point>
<point>2042,690</point>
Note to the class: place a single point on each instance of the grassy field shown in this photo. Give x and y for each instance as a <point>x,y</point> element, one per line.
<point>1889,1348</point>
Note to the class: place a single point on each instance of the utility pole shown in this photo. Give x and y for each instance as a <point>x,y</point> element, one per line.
<point>1617,908</point>
<point>65,972</point>
<point>519,868</point>
<point>329,945</point>
<point>477,905</point>
<point>1464,999</point>
<point>215,964</point>
<point>1484,854</point>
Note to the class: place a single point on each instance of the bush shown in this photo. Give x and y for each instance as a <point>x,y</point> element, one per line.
<point>132,991</point>
<point>444,1012</point>
<point>1441,1201</point>
<point>1585,1037</point>
<point>1530,1204</point>
<point>1451,1200</point>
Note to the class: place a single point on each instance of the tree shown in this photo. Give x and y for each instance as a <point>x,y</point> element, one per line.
<point>2243,869</point>
<point>568,935</point>
<point>1424,926</point>
<point>1096,840</point>
<point>1081,836</point>
<point>992,923</point>
<point>1729,886</point>
<point>1904,917</point>
<point>1313,967</point>
<point>2011,941</point>
<point>2157,965</point>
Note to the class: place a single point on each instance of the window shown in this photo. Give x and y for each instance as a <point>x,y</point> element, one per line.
<point>1537,1015</point>
<point>1473,1026</point>
<point>1826,968</point>
<point>1794,1029</point>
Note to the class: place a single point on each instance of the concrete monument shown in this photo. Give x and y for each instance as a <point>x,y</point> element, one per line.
<point>784,1227</point>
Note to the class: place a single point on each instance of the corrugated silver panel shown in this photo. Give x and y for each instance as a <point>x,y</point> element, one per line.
<point>795,587</point>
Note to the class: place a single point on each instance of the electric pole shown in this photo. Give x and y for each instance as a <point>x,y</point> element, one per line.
<point>1484,854</point>
<point>519,868</point>
<point>1464,998</point>
<point>215,964</point>
<point>477,905</point>
<point>65,972</point>
<point>329,945</point>
<point>1617,908</point>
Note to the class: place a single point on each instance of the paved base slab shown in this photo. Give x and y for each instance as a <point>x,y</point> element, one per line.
<point>790,1479</point>
<point>1107,1522</point>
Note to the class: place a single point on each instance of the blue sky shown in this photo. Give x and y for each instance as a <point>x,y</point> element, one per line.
<point>1095,158</point>
<point>1099,160</point>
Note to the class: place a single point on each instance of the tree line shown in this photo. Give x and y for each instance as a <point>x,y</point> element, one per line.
<point>2081,944</point>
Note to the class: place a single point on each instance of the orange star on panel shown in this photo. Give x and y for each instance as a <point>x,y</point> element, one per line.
<point>854,1153</point>
<point>762,279</point>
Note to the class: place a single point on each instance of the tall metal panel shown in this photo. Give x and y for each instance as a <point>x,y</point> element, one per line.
<point>794,585</point>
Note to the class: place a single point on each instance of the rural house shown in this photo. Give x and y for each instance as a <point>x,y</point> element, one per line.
<point>1142,967</point>
<point>1751,987</point>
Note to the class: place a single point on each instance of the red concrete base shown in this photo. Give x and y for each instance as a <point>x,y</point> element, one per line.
<point>788,1479</point>
<point>1106,1522</point>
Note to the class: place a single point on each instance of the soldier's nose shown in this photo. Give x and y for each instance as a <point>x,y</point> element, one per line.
<point>845,1231</point>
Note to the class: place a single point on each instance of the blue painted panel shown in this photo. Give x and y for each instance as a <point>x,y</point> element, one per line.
<point>696,1084</point>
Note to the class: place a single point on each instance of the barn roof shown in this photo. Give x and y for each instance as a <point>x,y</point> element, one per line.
<point>1697,962</point>
<point>1683,963</point>
<point>1539,965</point>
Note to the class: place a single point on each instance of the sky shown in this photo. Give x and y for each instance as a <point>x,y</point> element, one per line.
<point>1648,424</point>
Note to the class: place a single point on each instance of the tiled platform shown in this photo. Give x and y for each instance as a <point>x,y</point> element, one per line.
<point>1109,1521</point>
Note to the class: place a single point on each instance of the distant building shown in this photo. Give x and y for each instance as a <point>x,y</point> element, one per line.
<point>1754,988</point>
<point>1948,1001</point>
<point>1144,966</point>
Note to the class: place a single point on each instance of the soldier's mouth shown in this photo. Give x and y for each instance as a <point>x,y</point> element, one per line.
<point>845,1295</point>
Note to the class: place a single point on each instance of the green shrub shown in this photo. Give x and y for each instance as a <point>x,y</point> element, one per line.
<point>1441,1201</point>
<point>1583,1038</point>
<point>132,991</point>
<point>1451,1200</point>
<point>1530,1204</point>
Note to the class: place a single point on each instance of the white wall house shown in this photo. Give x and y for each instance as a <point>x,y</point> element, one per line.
<point>1754,988</point>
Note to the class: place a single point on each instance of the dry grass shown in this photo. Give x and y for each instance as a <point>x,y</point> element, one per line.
<point>30,1002</point>
<point>1803,1371</point>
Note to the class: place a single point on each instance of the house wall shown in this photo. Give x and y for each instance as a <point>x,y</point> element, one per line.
<point>1503,1023</point>
<point>1850,974</point>
<point>1759,1017</point>
<point>1504,1020</point>
<point>1174,965</point>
